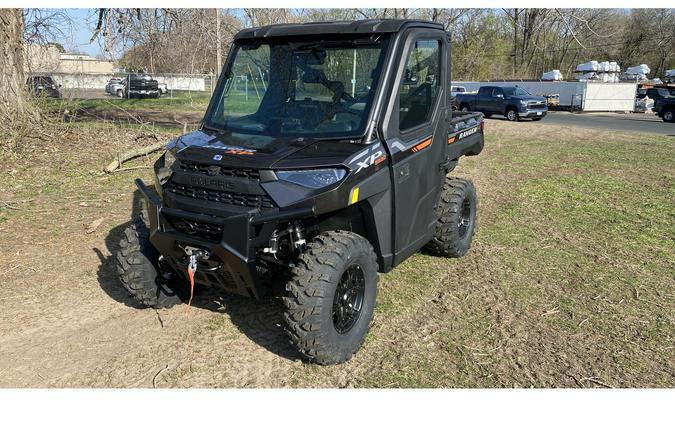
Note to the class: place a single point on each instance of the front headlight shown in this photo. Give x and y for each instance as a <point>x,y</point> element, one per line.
<point>163,166</point>
<point>315,178</point>
<point>524,103</point>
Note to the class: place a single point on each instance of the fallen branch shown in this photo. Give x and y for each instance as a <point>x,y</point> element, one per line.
<point>596,380</point>
<point>551,311</point>
<point>126,156</point>
<point>159,318</point>
<point>9,205</point>
<point>154,379</point>
<point>121,169</point>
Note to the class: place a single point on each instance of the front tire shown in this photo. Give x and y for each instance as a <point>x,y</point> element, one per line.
<point>456,219</point>
<point>120,93</point>
<point>137,265</point>
<point>331,297</point>
<point>669,116</point>
<point>465,108</point>
<point>511,114</point>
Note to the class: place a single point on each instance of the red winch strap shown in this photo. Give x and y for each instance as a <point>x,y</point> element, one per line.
<point>191,270</point>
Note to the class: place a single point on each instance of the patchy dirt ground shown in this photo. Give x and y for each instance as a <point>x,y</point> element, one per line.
<point>570,282</point>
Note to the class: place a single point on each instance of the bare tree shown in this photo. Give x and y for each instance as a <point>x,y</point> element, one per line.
<point>13,96</point>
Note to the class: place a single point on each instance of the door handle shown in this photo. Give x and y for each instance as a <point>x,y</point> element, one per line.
<point>403,172</point>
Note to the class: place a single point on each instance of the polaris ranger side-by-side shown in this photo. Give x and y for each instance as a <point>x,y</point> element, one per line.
<point>332,170</point>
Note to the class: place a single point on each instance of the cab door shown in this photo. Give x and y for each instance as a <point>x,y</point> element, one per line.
<point>483,99</point>
<point>496,102</point>
<point>415,131</point>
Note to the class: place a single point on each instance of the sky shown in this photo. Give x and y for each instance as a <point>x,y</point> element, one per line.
<point>76,35</point>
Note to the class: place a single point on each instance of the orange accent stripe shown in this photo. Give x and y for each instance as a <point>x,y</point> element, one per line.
<point>238,152</point>
<point>379,160</point>
<point>451,140</point>
<point>422,145</point>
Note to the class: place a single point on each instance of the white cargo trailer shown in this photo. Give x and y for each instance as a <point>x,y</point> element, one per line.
<point>586,96</point>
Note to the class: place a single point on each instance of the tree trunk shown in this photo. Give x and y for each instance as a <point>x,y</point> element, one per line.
<point>13,95</point>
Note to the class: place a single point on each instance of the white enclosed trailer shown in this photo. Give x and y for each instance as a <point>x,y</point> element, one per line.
<point>586,96</point>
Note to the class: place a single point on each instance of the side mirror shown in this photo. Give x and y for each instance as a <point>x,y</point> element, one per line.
<point>500,96</point>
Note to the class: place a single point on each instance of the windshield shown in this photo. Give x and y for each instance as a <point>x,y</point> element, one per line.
<point>515,91</point>
<point>311,90</point>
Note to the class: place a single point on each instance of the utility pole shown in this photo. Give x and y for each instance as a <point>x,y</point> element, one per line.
<point>219,57</point>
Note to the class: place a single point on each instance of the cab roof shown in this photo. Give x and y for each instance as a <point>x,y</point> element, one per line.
<point>359,27</point>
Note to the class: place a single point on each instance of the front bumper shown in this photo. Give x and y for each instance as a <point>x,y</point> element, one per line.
<point>232,261</point>
<point>144,91</point>
<point>529,113</point>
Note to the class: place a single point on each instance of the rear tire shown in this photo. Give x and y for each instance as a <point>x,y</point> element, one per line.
<point>511,114</point>
<point>456,219</point>
<point>331,297</point>
<point>137,266</point>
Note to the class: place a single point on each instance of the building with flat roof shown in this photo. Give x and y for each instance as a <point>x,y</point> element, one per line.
<point>48,59</point>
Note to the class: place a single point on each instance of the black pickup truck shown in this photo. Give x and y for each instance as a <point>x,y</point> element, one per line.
<point>141,85</point>
<point>664,107</point>
<point>512,102</point>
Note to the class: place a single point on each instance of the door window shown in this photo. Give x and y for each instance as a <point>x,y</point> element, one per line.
<point>420,84</point>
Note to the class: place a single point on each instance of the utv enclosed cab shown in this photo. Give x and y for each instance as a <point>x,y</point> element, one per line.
<point>322,156</point>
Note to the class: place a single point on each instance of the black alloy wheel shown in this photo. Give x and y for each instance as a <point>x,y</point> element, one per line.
<point>348,299</point>
<point>464,218</point>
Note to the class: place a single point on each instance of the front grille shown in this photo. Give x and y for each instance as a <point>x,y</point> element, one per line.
<point>229,198</point>
<point>197,228</point>
<point>536,105</point>
<point>216,170</point>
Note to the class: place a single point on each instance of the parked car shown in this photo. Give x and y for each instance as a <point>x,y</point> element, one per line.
<point>512,102</point>
<point>43,85</point>
<point>272,201</point>
<point>664,107</point>
<point>456,89</point>
<point>116,86</point>
<point>552,100</point>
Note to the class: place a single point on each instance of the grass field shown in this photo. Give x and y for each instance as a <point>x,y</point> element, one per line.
<point>177,101</point>
<point>569,283</point>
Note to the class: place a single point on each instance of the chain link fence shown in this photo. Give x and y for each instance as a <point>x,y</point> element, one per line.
<point>90,97</point>
<point>197,87</point>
